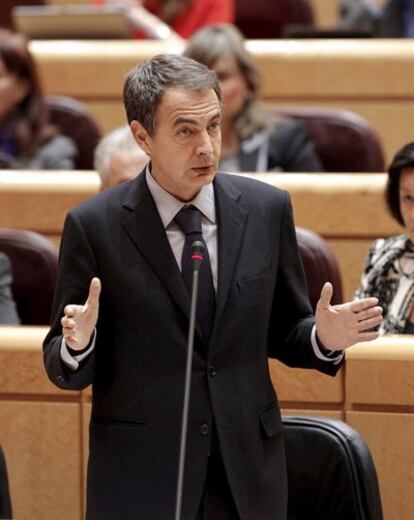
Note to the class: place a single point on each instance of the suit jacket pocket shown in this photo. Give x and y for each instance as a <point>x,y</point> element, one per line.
<point>255,285</point>
<point>270,420</point>
<point>111,420</point>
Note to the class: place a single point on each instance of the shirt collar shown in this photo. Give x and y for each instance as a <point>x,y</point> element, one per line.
<point>168,206</point>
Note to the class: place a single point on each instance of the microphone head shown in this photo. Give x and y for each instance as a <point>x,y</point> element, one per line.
<point>197,247</point>
<point>197,253</point>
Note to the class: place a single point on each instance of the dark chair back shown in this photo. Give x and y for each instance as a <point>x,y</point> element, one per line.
<point>34,261</point>
<point>320,265</point>
<point>344,141</point>
<point>5,502</point>
<point>6,6</point>
<point>73,120</point>
<point>268,18</point>
<point>331,474</point>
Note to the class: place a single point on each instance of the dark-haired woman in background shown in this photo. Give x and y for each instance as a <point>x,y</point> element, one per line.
<point>26,139</point>
<point>389,269</point>
<point>250,141</point>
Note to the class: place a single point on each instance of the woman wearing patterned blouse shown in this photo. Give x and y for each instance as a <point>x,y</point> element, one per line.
<point>389,268</point>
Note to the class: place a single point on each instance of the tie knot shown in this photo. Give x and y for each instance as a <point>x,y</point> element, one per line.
<point>189,220</point>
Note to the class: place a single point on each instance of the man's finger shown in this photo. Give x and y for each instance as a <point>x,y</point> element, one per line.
<point>71,311</point>
<point>94,292</point>
<point>369,313</point>
<point>365,303</point>
<point>326,295</point>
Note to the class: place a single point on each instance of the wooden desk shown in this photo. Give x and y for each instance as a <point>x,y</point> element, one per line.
<point>380,405</point>
<point>373,78</point>
<point>44,430</point>
<point>41,432</point>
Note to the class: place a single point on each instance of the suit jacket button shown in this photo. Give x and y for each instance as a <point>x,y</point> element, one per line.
<point>211,370</point>
<point>60,379</point>
<point>204,429</point>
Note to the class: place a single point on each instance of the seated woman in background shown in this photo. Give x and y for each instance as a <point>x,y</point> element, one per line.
<point>173,18</point>
<point>389,269</point>
<point>250,141</point>
<point>26,138</point>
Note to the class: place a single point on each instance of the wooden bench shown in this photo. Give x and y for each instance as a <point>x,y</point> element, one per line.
<point>346,209</point>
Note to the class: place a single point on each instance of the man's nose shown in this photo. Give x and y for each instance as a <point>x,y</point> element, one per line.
<point>205,146</point>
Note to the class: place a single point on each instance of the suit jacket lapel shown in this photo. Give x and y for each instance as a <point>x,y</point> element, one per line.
<point>231,218</point>
<point>143,224</point>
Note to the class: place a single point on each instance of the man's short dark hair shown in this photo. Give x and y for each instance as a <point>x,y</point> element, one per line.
<point>404,158</point>
<point>145,85</point>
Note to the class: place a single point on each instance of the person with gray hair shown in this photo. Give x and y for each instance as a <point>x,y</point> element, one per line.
<point>118,158</point>
<point>127,254</point>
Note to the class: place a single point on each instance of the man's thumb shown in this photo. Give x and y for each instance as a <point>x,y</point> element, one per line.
<point>94,292</point>
<point>326,295</point>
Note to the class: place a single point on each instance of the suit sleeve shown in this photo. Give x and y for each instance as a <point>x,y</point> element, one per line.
<point>292,319</point>
<point>77,266</point>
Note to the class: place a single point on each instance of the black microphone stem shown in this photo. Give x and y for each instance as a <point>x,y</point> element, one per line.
<point>187,387</point>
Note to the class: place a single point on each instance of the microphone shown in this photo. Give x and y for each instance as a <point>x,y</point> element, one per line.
<point>197,254</point>
<point>197,257</point>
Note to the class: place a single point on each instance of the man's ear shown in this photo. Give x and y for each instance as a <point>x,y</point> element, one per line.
<point>141,136</point>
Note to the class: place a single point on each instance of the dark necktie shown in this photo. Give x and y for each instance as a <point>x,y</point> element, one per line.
<point>189,220</point>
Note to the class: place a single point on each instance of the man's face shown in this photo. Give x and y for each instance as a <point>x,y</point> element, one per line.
<point>185,147</point>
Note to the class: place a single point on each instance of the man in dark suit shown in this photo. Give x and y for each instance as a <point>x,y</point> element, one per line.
<point>129,342</point>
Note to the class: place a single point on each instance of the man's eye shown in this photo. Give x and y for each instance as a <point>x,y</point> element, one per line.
<point>214,127</point>
<point>184,132</point>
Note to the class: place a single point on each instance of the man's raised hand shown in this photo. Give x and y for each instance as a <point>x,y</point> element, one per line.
<point>79,321</point>
<point>340,326</point>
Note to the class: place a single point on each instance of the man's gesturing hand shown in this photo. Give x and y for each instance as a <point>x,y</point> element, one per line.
<point>79,321</point>
<point>340,326</point>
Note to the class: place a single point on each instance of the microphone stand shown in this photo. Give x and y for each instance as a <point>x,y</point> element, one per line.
<point>197,248</point>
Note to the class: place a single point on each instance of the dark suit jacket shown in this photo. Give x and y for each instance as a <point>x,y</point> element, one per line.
<point>287,146</point>
<point>137,368</point>
<point>390,24</point>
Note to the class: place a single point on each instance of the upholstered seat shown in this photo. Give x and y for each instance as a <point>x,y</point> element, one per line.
<point>74,121</point>
<point>331,473</point>
<point>344,141</point>
<point>34,261</point>
<point>320,265</point>
<point>267,18</point>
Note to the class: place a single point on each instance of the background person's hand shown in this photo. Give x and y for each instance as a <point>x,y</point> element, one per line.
<point>340,326</point>
<point>79,321</point>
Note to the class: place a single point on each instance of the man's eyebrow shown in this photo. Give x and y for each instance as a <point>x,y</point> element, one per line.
<point>192,121</point>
